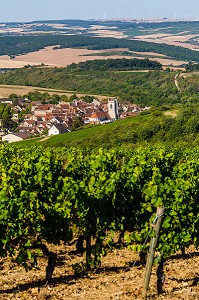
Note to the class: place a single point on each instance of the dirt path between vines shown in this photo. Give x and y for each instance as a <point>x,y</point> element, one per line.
<point>117,279</point>
<point>176,82</point>
<point>43,139</point>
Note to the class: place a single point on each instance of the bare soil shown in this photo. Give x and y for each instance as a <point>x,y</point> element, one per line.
<point>119,277</point>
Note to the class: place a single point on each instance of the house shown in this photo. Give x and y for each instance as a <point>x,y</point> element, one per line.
<point>128,114</point>
<point>97,117</point>
<point>5,101</point>
<point>56,120</point>
<point>28,123</point>
<point>57,129</point>
<point>34,105</point>
<point>15,117</point>
<point>27,129</point>
<point>15,137</point>
<point>41,126</point>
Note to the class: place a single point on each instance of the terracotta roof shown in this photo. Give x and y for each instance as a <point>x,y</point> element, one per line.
<point>65,105</point>
<point>28,116</point>
<point>58,115</point>
<point>43,107</point>
<point>98,115</point>
<point>29,121</point>
<point>36,103</point>
<point>129,114</point>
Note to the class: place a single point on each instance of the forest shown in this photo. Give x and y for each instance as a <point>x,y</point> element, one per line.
<point>141,88</point>
<point>116,64</point>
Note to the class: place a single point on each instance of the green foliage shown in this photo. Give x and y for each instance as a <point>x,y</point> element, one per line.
<point>152,88</point>
<point>51,195</point>
<point>116,64</point>
<point>5,112</point>
<point>192,67</point>
<point>6,117</point>
<point>77,122</point>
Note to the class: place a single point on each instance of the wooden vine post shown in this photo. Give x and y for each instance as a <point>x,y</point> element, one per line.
<point>153,244</point>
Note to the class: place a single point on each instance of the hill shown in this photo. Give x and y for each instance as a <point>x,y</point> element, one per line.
<point>152,88</point>
<point>144,88</point>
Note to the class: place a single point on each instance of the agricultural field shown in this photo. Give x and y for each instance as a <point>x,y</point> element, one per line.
<point>64,57</point>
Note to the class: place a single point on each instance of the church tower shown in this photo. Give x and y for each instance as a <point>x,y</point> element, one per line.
<point>113,108</point>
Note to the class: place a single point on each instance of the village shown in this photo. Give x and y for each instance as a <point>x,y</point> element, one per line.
<point>51,119</point>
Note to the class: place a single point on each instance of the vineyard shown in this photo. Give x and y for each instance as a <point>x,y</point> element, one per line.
<point>97,200</point>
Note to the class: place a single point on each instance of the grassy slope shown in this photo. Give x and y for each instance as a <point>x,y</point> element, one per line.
<point>122,133</point>
<point>82,136</point>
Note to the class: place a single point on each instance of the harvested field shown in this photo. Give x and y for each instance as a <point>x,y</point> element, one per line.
<point>169,61</point>
<point>58,57</point>
<point>10,63</point>
<point>6,90</point>
<point>170,39</point>
<point>107,31</point>
<point>120,277</point>
<point>67,56</point>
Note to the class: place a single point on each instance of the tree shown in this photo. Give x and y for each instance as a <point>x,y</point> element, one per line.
<point>64,98</point>
<point>77,122</point>
<point>73,97</point>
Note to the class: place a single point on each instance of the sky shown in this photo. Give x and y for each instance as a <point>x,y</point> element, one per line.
<point>31,10</point>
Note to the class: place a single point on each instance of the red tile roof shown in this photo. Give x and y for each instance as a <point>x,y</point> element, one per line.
<point>98,115</point>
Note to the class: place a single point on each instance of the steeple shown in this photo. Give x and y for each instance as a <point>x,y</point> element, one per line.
<point>113,108</point>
